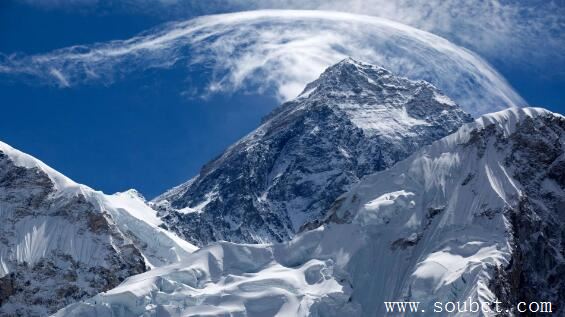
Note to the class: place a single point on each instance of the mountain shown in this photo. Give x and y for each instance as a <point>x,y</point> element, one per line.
<point>61,242</point>
<point>478,214</point>
<point>355,119</point>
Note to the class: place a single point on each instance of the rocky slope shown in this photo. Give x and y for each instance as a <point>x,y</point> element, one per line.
<point>354,120</point>
<point>61,242</point>
<point>478,214</point>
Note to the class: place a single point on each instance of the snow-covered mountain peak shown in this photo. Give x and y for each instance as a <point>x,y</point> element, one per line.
<point>354,120</point>
<point>377,101</point>
<point>507,119</point>
<point>348,75</point>
<point>501,124</point>
<point>62,183</point>
<point>61,241</point>
<point>132,193</point>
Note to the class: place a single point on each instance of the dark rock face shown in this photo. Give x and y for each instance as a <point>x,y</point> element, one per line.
<point>7,287</point>
<point>354,120</point>
<point>37,276</point>
<point>535,272</point>
<point>56,281</point>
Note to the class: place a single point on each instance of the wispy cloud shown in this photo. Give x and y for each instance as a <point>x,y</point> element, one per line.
<point>63,82</point>
<point>528,32</point>
<point>258,50</point>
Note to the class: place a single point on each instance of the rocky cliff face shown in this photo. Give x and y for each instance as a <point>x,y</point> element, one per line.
<point>537,220</point>
<point>354,120</point>
<point>61,242</point>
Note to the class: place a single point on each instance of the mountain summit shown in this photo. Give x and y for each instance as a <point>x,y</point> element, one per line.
<point>355,119</point>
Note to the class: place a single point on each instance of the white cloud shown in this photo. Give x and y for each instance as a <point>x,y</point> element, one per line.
<point>257,50</point>
<point>526,33</point>
<point>63,82</point>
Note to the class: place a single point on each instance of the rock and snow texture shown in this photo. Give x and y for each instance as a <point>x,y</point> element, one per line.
<point>61,242</point>
<point>469,216</point>
<point>354,120</point>
<point>477,214</point>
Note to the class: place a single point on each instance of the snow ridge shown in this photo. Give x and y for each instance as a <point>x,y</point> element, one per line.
<point>62,241</point>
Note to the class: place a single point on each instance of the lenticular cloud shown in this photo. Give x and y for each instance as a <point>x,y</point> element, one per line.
<point>281,50</point>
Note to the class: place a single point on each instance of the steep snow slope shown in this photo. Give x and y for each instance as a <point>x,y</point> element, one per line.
<point>61,241</point>
<point>453,214</point>
<point>354,120</point>
<point>471,215</point>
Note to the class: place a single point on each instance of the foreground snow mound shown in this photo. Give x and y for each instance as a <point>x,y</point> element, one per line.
<point>354,120</point>
<point>227,279</point>
<point>467,217</point>
<point>61,241</point>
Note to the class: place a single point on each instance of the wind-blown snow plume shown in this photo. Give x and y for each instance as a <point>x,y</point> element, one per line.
<point>258,50</point>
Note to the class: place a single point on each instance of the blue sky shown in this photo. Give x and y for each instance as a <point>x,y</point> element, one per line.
<point>138,133</point>
<point>142,131</point>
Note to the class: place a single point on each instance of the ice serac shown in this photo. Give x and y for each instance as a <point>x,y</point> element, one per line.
<point>61,241</point>
<point>478,214</point>
<point>355,119</point>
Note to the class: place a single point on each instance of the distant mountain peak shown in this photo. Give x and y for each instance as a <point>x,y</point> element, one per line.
<point>347,75</point>
<point>375,100</point>
<point>353,120</point>
<point>352,76</point>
